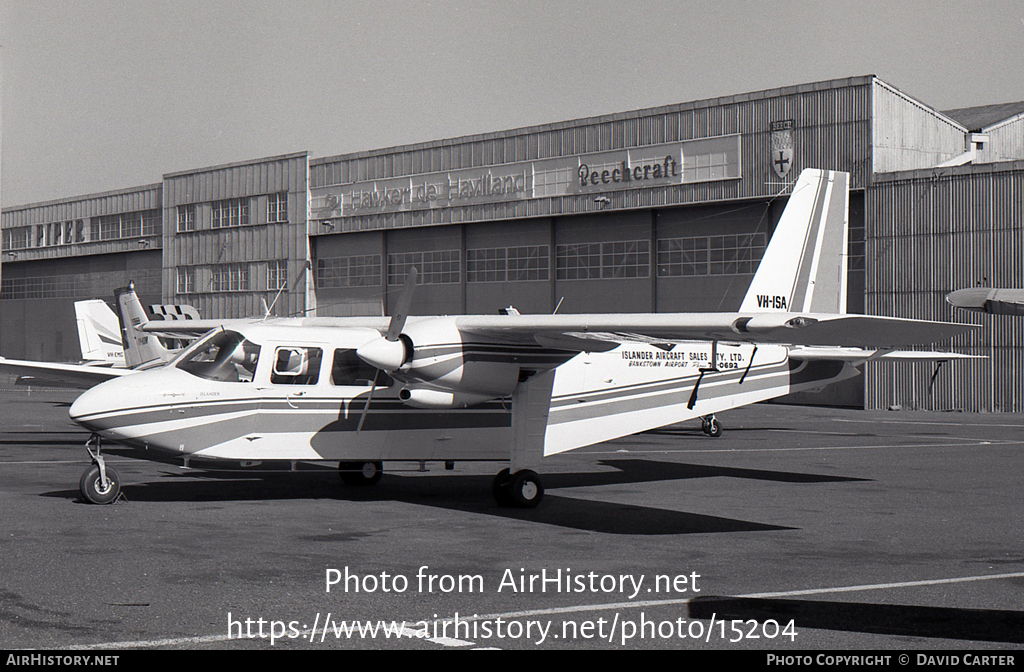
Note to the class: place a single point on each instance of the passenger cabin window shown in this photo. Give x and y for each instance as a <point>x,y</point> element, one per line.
<point>225,356</point>
<point>296,365</point>
<point>348,369</point>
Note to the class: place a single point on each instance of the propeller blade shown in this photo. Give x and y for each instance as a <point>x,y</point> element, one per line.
<point>404,304</point>
<point>366,406</point>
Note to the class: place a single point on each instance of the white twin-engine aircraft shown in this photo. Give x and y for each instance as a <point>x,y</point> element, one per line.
<point>505,387</point>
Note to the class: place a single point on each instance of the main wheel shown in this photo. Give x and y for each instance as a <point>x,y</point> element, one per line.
<point>526,489</point>
<point>714,428</point>
<point>92,487</point>
<point>360,473</point>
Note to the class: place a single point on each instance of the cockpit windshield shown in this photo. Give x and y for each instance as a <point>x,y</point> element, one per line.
<point>224,356</point>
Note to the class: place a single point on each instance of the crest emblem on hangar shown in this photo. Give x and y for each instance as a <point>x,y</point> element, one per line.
<point>782,147</point>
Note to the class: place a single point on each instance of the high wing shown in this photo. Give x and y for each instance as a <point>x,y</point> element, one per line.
<point>53,374</point>
<point>597,332</point>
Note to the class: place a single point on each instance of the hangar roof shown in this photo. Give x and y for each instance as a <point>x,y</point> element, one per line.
<point>984,116</point>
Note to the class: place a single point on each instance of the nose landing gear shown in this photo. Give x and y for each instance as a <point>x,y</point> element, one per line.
<point>99,484</point>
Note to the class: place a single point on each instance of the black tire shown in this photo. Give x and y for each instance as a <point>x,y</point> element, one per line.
<point>500,488</point>
<point>526,489</point>
<point>360,473</point>
<point>714,428</point>
<point>92,489</point>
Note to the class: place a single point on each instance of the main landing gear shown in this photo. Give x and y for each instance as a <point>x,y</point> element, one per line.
<point>711,426</point>
<point>99,484</point>
<point>360,473</point>
<point>522,489</point>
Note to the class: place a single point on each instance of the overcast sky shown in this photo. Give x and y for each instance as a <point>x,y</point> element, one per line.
<point>103,94</point>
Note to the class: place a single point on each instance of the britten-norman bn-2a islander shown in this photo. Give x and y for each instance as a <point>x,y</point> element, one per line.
<point>504,387</point>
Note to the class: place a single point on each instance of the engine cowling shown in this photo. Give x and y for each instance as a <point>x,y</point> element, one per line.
<point>435,353</point>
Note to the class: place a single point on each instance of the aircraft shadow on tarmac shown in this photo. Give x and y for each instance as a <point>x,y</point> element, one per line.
<point>983,625</point>
<point>471,494</point>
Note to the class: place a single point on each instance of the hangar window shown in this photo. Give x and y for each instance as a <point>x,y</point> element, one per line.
<point>17,238</point>
<point>435,268</point>
<point>277,208</point>
<point>710,255</point>
<point>578,262</point>
<point>626,259</point>
<point>186,280</point>
<point>296,365</point>
<point>610,260</point>
<point>232,212</point>
<point>354,271</point>
<point>277,274</point>
<point>225,356</point>
<point>230,278</point>
<point>186,218</point>
<point>507,264</point>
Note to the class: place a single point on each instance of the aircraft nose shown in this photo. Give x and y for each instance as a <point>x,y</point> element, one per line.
<point>89,405</point>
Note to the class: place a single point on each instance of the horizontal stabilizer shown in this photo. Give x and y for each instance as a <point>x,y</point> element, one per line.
<point>988,300</point>
<point>860,355</point>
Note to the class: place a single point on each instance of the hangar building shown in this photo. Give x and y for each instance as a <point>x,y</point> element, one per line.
<point>654,210</point>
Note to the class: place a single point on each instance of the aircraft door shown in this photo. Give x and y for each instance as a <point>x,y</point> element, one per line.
<point>291,403</point>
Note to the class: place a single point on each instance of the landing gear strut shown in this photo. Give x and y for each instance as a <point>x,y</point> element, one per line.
<point>522,489</point>
<point>360,473</point>
<point>99,484</point>
<point>711,426</point>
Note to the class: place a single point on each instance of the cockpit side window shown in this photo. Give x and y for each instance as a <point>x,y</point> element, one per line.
<point>225,356</point>
<point>296,365</point>
<point>349,369</point>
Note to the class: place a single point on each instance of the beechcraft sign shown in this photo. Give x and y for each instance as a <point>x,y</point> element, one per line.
<point>782,147</point>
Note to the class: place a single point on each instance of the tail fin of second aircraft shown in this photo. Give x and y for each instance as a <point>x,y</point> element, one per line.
<point>804,268</point>
<point>99,333</point>
<point>140,347</point>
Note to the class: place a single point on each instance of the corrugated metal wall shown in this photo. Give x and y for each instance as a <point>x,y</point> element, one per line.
<point>929,233</point>
<point>251,244</point>
<point>908,135</point>
<point>831,130</point>
<point>1006,142</point>
<point>135,199</point>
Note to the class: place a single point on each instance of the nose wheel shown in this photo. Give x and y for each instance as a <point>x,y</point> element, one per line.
<point>99,484</point>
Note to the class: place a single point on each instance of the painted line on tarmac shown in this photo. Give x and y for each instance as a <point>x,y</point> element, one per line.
<point>553,611</point>
<point>972,442</point>
<point>927,422</point>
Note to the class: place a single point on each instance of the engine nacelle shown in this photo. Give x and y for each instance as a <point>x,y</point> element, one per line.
<point>443,358</point>
<point>427,398</point>
<point>434,352</point>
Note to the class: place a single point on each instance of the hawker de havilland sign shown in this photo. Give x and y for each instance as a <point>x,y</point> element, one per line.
<point>700,160</point>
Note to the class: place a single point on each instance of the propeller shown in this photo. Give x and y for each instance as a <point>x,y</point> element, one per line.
<point>390,352</point>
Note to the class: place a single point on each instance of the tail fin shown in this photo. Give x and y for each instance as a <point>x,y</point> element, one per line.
<point>140,347</point>
<point>99,333</point>
<point>804,267</point>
